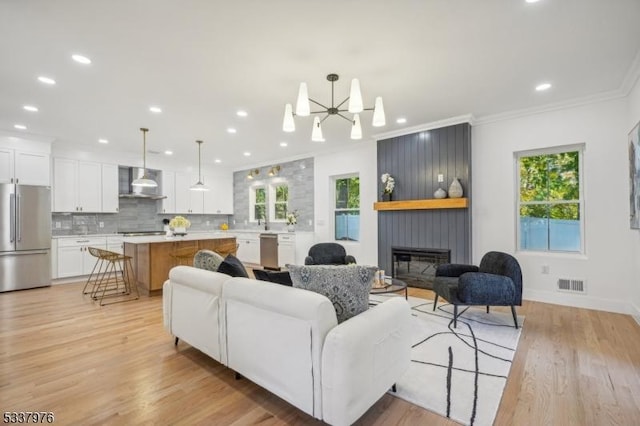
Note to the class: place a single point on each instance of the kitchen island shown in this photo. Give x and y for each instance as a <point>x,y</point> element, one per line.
<point>153,256</point>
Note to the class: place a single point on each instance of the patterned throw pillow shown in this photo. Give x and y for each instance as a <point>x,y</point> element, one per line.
<point>207,259</point>
<point>347,286</point>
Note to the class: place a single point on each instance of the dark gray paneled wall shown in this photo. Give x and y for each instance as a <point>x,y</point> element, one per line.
<point>415,161</point>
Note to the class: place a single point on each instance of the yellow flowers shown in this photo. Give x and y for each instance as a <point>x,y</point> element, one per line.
<point>224,226</point>
<point>179,222</point>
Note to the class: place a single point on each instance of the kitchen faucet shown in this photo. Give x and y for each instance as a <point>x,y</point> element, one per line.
<point>266,224</point>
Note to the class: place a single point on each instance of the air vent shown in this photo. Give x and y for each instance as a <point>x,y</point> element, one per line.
<point>571,285</point>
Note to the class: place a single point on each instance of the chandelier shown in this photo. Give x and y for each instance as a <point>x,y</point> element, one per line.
<point>355,107</point>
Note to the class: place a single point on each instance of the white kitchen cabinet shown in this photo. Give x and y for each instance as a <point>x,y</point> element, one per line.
<point>182,195</point>
<point>110,188</point>
<point>116,245</point>
<point>27,168</point>
<point>73,255</point>
<point>219,198</point>
<point>77,186</point>
<point>169,191</point>
<point>286,249</point>
<point>249,248</point>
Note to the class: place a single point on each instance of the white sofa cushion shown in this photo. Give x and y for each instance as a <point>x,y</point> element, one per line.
<point>274,337</point>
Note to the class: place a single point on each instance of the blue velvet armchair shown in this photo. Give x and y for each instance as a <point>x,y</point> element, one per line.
<point>328,254</point>
<point>496,282</point>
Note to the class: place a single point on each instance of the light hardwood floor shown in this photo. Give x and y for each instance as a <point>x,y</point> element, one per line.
<point>115,364</point>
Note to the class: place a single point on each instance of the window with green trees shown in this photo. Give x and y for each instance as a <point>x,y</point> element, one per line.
<point>347,209</point>
<point>550,203</point>
<point>281,202</point>
<point>259,198</point>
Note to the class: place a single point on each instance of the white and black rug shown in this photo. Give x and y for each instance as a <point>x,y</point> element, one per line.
<point>458,372</point>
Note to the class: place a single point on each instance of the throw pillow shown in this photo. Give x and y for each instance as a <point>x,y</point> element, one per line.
<point>231,265</point>
<point>347,286</point>
<point>281,277</point>
<point>207,259</point>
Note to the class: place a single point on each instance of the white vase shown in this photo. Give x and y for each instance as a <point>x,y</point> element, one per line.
<point>455,190</point>
<point>291,228</point>
<point>440,193</point>
<point>180,230</point>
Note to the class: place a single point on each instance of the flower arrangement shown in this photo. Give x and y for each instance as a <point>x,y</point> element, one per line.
<point>389,183</point>
<point>224,226</point>
<point>179,222</point>
<point>292,217</point>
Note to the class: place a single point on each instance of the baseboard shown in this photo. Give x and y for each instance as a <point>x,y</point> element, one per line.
<point>636,312</point>
<point>582,301</point>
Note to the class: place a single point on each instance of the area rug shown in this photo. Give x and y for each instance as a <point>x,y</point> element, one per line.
<point>459,373</point>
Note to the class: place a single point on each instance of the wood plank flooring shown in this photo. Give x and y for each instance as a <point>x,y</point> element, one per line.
<point>60,352</point>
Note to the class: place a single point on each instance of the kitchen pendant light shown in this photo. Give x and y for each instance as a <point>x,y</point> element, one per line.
<point>144,180</point>
<point>199,186</point>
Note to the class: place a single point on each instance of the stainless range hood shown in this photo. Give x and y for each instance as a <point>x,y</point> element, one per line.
<point>126,175</point>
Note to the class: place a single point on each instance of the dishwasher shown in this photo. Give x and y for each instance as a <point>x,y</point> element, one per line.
<point>269,251</point>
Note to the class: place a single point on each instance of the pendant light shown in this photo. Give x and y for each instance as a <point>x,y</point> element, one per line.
<point>199,186</point>
<point>144,181</point>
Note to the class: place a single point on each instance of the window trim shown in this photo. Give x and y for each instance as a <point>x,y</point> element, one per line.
<point>272,202</point>
<point>580,148</point>
<point>252,200</point>
<point>333,209</point>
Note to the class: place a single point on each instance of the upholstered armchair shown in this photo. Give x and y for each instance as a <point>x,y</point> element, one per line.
<point>496,282</point>
<point>328,254</point>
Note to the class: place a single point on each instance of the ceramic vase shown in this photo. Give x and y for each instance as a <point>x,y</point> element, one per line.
<point>181,230</point>
<point>455,190</point>
<point>291,228</point>
<point>386,196</point>
<point>440,193</point>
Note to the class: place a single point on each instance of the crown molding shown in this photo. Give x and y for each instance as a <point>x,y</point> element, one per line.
<point>632,76</point>
<point>467,118</point>
<point>573,103</point>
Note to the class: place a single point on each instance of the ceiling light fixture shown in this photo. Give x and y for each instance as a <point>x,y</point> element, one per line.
<point>231,130</point>
<point>46,80</point>
<point>273,171</point>
<point>252,173</point>
<point>30,108</point>
<point>81,59</point>
<point>168,152</point>
<point>103,141</point>
<point>246,154</point>
<point>283,144</point>
<point>543,86</point>
<point>217,160</point>
<point>20,126</point>
<point>355,106</point>
<point>401,120</point>
<point>241,113</point>
<point>199,186</point>
<point>144,180</point>
<point>155,109</point>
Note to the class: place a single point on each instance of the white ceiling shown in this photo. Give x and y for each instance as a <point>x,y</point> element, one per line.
<point>201,61</point>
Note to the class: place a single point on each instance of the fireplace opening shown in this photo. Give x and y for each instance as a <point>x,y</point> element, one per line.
<point>417,266</point>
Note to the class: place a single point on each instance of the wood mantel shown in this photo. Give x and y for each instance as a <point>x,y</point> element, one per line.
<point>444,203</point>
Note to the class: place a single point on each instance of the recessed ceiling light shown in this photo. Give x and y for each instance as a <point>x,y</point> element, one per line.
<point>242,113</point>
<point>103,141</point>
<point>217,160</point>
<point>283,144</point>
<point>231,130</point>
<point>155,109</point>
<point>532,1</point>
<point>46,80</point>
<point>401,120</point>
<point>246,153</point>
<point>81,59</point>
<point>20,126</point>
<point>30,108</point>
<point>168,152</point>
<point>542,87</point>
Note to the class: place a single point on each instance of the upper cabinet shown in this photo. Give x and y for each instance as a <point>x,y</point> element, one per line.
<point>219,198</point>
<point>169,191</point>
<point>181,199</point>
<point>27,168</point>
<point>84,186</point>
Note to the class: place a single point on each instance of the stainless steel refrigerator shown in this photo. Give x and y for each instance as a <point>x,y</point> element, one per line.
<point>25,236</point>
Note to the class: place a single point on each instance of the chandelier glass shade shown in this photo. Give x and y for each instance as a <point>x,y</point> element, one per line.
<point>199,186</point>
<point>354,106</point>
<point>145,180</point>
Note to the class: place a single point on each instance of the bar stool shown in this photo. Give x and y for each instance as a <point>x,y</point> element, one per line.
<point>112,276</point>
<point>183,256</point>
<point>229,248</point>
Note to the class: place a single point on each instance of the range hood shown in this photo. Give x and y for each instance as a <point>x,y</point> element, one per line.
<point>126,175</point>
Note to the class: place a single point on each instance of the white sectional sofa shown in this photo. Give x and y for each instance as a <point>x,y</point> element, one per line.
<point>288,341</point>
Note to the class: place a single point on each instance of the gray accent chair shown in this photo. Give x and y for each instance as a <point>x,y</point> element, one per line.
<point>328,254</point>
<point>496,282</point>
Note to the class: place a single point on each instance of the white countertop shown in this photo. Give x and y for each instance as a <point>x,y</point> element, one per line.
<point>192,235</point>
<point>145,239</point>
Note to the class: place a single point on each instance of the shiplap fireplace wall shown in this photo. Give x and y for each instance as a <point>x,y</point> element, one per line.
<point>415,160</point>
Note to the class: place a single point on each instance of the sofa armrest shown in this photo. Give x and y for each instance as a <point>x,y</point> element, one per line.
<point>481,288</point>
<point>454,269</point>
<point>362,358</point>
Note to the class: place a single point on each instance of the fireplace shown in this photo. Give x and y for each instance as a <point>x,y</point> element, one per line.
<point>417,266</point>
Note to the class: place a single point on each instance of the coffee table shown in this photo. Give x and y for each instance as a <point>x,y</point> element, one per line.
<point>396,286</point>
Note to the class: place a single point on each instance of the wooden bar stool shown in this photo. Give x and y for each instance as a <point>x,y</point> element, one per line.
<point>112,277</point>
<point>183,256</point>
